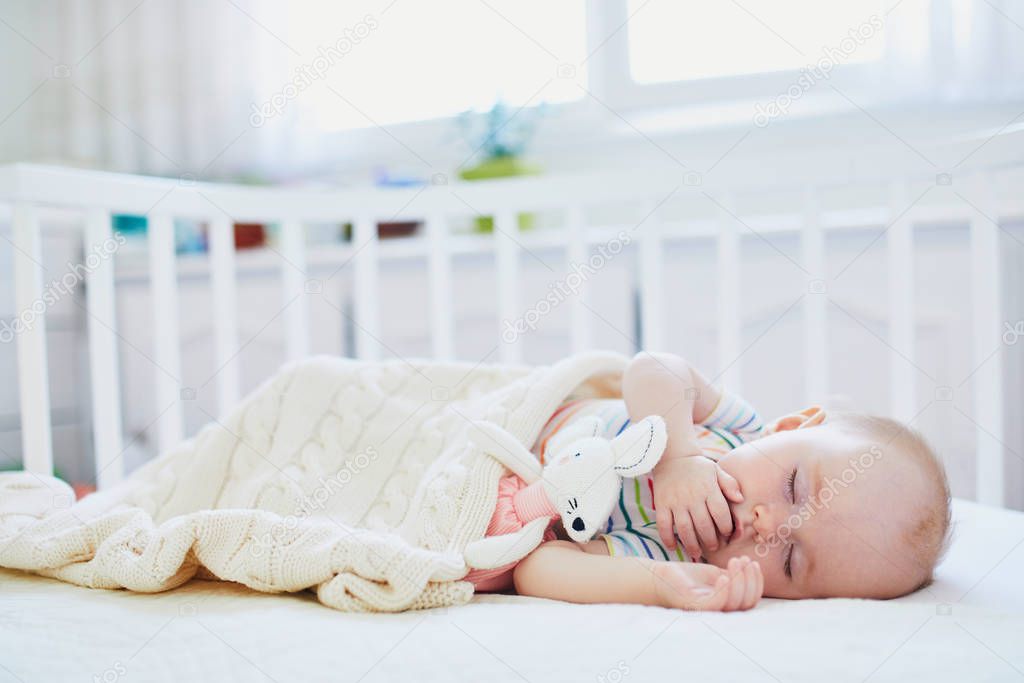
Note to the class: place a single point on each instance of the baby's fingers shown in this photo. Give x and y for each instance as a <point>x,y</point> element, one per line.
<point>720,512</point>
<point>684,527</point>
<point>716,597</point>
<point>754,586</point>
<point>705,526</point>
<point>730,487</point>
<point>665,527</point>
<point>737,586</point>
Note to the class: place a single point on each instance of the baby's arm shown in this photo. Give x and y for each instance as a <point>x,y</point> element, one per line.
<point>665,384</point>
<point>562,570</point>
<point>690,490</point>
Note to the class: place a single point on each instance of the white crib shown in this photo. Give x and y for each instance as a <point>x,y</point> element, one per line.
<point>32,190</point>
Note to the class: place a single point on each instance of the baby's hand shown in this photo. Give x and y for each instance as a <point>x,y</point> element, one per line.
<point>690,498</point>
<point>691,585</point>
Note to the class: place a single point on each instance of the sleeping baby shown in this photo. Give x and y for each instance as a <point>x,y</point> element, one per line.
<point>813,504</point>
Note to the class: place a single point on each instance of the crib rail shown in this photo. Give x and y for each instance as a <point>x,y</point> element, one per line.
<point>27,188</point>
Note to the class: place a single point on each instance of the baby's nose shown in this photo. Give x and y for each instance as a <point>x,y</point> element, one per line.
<point>764,522</point>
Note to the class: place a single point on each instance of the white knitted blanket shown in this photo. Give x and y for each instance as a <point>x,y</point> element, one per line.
<point>360,480</point>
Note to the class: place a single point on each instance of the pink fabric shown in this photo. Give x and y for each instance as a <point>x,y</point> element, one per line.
<point>518,503</point>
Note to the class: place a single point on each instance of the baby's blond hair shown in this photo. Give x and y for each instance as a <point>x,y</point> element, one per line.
<point>928,535</point>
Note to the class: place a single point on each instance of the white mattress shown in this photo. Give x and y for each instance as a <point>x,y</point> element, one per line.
<point>968,626</point>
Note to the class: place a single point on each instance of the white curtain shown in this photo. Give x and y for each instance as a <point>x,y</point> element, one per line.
<point>154,87</point>
<point>954,50</point>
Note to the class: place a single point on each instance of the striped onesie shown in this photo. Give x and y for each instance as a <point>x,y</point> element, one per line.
<point>631,528</point>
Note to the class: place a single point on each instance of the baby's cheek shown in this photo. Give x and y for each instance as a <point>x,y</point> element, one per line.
<point>776,584</point>
<point>721,557</point>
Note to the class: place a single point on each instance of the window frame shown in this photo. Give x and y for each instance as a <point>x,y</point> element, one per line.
<point>612,74</point>
<point>610,87</point>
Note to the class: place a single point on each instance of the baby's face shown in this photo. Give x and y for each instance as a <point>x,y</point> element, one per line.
<point>823,512</point>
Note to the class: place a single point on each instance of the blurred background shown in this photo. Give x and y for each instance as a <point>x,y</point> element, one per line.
<point>764,95</point>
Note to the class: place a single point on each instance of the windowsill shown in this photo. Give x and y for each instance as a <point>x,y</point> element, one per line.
<point>723,115</point>
<point>819,125</point>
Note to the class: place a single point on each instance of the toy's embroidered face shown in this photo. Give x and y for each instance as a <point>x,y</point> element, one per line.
<point>578,523</point>
<point>583,484</point>
<point>584,478</point>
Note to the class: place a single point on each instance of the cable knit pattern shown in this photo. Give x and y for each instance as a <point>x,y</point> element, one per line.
<point>358,480</point>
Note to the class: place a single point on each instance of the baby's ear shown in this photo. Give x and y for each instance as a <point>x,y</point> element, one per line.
<point>638,448</point>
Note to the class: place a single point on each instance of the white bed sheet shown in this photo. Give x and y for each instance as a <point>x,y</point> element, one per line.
<point>968,626</point>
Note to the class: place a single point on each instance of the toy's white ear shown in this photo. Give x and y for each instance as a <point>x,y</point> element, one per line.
<point>507,450</point>
<point>582,428</point>
<point>639,447</point>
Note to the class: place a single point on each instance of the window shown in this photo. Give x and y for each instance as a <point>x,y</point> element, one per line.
<point>679,40</point>
<point>433,60</point>
<point>420,60</point>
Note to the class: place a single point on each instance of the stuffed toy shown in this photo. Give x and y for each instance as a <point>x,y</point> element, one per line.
<point>581,480</point>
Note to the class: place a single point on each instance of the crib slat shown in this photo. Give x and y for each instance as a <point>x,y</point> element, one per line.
<point>651,283</point>
<point>812,244</point>
<point>293,281</point>
<point>225,306</point>
<point>506,230</point>
<point>577,255</point>
<point>105,377</point>
<point>900,252</point>
<point>166,341</point>
<point>442,327</point>
<point>33,375</point>
<point>987,348</point>
<point>728,276</point>
<point>367,288</point>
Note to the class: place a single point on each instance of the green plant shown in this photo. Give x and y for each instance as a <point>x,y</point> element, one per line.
<point>500,132</point>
